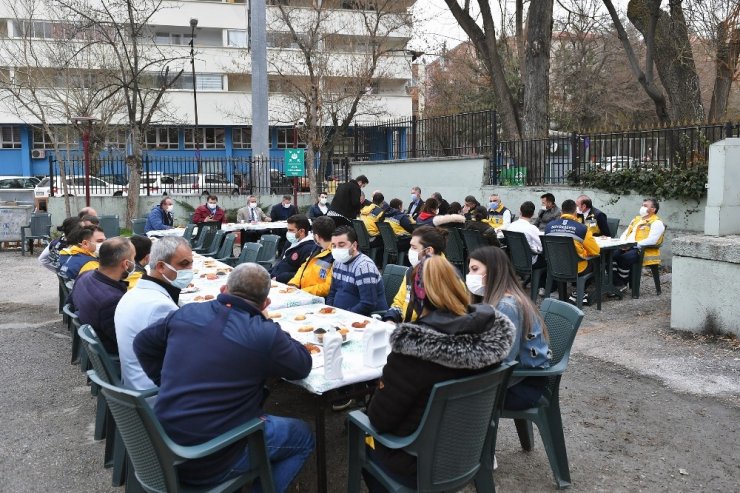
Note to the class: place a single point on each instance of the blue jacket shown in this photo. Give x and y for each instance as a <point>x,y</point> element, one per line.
<point>211,361</point>
<point>293,258</point>
<point>95,297</point>
<point>315,212</point>
<point>356,286</point>
<point>280,213</point>
<point>158,219</point>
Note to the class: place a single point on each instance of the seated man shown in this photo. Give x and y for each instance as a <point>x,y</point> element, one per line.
<point>314,276</point>
<point>583,240</point>
<point>209,212</point>
<point>401,223</point>
<point>371,215</point>
<point>161,216</point>
<point>87,211</point>
<point>82,256</point>
<point>299,247</point>
<point>524,225</point>
<point>356,284</point>
<point>444,206</point>
<point>498,216</point>
<point>283,210</point>
<point>469,204</point>
<point>548,212</point>
<point>251,213</point>
<point>155,296</point>
<point>143,246</point>
<point>231,350</point>
<point>96,295</point>
<point>476,222</point>
<point>592,217</point>
<point>647,230</point>
<point>414,208</point>
<point>320,208</point>
<point>49,258</point>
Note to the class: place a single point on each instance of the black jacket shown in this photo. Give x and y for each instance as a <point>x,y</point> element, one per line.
<point>280,213</point>
<point>601,222</point>
<point>436,348</point>
<point>346,201</point>
<point>292,259</point>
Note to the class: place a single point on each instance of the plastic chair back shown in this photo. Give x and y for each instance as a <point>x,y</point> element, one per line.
<point>188,233</point>
<point>473,239</point>
<point>562,260</point>
<point>269,248</point>
<point>203,234</point>
<point>519,251</point>
<point>455,249</point>
<point>110,225</point>
<point>250,252</point>
<point>40,225</point>
<point>137,225</point>
<point>363,237</point>
<point>227,248</point>
<point>390,241</point>
<point>101,361</point>
<point>562,321</point>
<point>393,276</point>
<point>613,227</point>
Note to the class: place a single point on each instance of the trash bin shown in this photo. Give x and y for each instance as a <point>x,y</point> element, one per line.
<point>12,218</point>
<point>516,176</point>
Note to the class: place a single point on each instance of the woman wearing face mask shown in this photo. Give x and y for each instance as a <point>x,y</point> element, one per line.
<point>209,212</point>
<point>426,241</point>
<point>491,279</point>
<point>320,208</point>
<point>451,339</point>
<point>429,215</point>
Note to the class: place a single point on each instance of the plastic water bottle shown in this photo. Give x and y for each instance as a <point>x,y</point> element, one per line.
<point>333,355</point>
<point>375,342</point>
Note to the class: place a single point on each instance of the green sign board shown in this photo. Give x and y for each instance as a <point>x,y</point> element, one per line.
<point>294,162</point>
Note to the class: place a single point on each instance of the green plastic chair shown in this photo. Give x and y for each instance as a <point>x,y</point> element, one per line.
<point>453,443</point>
<point>268,252</point>
<point>636,274</point>
<point>155,456</point>
<point>613,227</point>
<point>138,226</point>
<point>38,229</point>
<point>562,321</point>
<point>455,249</point>
<point>211,247</point>
<point>110,225</point>
<point>204,234</point>
<point>363,239</point>
<point>521,256</point>
<point>226,250</point>
<point>390,245</point>
<point>73,323</point>
<point>188,233</point>
<point>473,239</point>
<point>109,370</point>
<point>562,267</point>
<point>63,295</point>
<point>393,276</point>
<point>250,252</point>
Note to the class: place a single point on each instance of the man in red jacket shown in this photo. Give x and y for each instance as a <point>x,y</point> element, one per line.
<point>210,212</point>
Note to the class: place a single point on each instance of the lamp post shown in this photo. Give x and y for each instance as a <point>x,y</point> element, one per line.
<point>193,25</point>
<point>88,120</point>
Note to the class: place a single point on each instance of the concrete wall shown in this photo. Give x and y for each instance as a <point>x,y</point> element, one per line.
<point>703,294</point>
<point>455,178</point>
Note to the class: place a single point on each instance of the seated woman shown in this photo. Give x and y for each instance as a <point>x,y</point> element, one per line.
<point>429,215</point>
<point>477,216</point>
<point>451,339</point>
<point>492,279</point>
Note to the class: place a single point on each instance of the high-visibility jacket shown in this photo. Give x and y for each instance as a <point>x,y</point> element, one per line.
<point>75,260</point>
<point>314,275</point>
<point>371,215</point>
<point>582,237</point>
<point>642,226</point>
<point>497,217</point>
<point>401,223</point>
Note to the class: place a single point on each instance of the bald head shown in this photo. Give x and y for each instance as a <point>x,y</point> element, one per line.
<point>249,281</point>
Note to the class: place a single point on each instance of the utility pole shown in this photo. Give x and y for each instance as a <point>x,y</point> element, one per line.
<point>196,135</point>
<point>260,123</point>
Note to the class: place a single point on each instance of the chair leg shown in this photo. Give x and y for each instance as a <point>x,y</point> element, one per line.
<point>355,459</point>
<point>551,432</point>
<point>526,433</point>
<point>580,289</point>
<point>635,278</point>
<point>132,484</point>
<point>100,419</point>
<point>119,459</point>
<point>655,269</point>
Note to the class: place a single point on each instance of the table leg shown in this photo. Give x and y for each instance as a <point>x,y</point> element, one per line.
<point>321,444</point>
<point>608,287</point>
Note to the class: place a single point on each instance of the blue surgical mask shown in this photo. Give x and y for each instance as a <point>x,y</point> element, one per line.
<point>493,205</point>
<point>413,197</point>
<point>183,278</point>
<point>291,237</point>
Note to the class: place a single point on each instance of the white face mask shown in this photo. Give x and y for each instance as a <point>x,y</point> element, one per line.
<point>252,205</point>
<point>170,208</point>
<point>544,207</point>
<point>323,201</point>
<point>474,282</point>
<point>643,211</point>
<point>291,237</point>
<point>183,278</point>
<point>97,248</point>
<point>341,254</point>
<point>287,206</point>
<point>212,206</point>
<point>132,270</point>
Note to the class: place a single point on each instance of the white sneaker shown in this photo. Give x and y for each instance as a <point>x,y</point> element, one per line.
<point>541,292</point>
<point>495,464</point>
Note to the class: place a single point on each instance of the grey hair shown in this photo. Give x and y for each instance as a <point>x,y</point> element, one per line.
<point>113,250</point>
<point>249,281</point>
<point>165,248</point>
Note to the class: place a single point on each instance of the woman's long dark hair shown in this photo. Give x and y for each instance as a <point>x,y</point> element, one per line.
<point>501,279</point>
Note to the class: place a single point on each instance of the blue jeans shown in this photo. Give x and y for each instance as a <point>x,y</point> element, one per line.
<point>289,443</point>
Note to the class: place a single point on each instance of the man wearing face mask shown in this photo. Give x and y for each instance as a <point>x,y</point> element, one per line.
<point>96,295</point>
<point>548,212</point>
<point>82,256</point>
<point>209,212</point>
<point>314,276</point>
<point>592,217</point>
<point>155,296</point>
<point>161,216</point>
<point>251,213</point>
<point>320,208</point>
<point>299,246</point>
<point>647,229</point>
<point>283,210</point>
<point>356,284</point>
<point>498,216</point>
<point>414,208</point>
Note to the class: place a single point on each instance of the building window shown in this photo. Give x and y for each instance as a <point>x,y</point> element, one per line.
<point>65,137</point>
<point>236,38</point>
<point>206,82</point>
<point>167,38</point>
<point>116,138</point>
<point>11,137</point>
<point>288,138</point>
<point>208,138</point>
<point>241,137</point>
<point>161,138</point>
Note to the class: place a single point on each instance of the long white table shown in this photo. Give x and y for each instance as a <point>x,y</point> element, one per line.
<point>259,226</point>
<point>159,233</point>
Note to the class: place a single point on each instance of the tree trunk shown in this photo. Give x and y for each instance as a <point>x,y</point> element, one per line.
<point>133,162</point>
<point>673,56</point>
<point>726,60</point>
<point>537,67</point>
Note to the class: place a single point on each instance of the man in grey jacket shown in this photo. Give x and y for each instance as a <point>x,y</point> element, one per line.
<point>154,297</point>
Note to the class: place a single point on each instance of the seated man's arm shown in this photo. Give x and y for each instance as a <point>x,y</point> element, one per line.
<point>656,231</point>
<point>150,345</point>
<point>155,218</point>
<point>589,243</point>
<point>398,307</point>
<point>288,357</point>
<point>366,287</point>
<point>603,225</point>
<point>332,291</point>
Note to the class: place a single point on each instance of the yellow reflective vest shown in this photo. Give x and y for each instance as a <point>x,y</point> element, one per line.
<point>314,275</point>
<point>642,231</point>
<point>371,215</point>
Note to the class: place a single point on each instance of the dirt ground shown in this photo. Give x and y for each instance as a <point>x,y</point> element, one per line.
<point>644,408</point>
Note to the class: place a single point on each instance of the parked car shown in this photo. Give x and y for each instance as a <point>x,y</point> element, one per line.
<point>157,183</point>
<point>18,182</point>
<point>121,180</point>
<point>76,187</point>
<point>204,184</point>
<point>617,163</point>
<point>281,184</point>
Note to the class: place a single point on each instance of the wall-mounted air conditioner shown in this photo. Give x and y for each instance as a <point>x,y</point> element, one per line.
<point>38,154</point>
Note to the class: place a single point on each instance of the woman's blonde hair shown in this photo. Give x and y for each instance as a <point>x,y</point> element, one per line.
<point>443,287</point>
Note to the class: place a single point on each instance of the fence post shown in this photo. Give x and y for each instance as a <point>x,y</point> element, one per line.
<point>575,155</point>
<point>51,176</point>
<point>728,130</point>
<point>355,141</point>
<point>414,129</point>
<point>146,167</point>
<point>494,148</point>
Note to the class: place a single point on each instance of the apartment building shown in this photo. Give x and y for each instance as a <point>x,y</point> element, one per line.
<point>223,77</point>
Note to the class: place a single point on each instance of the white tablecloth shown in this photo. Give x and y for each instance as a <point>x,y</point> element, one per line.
<point>158,233</point>
<point>262,226</point>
